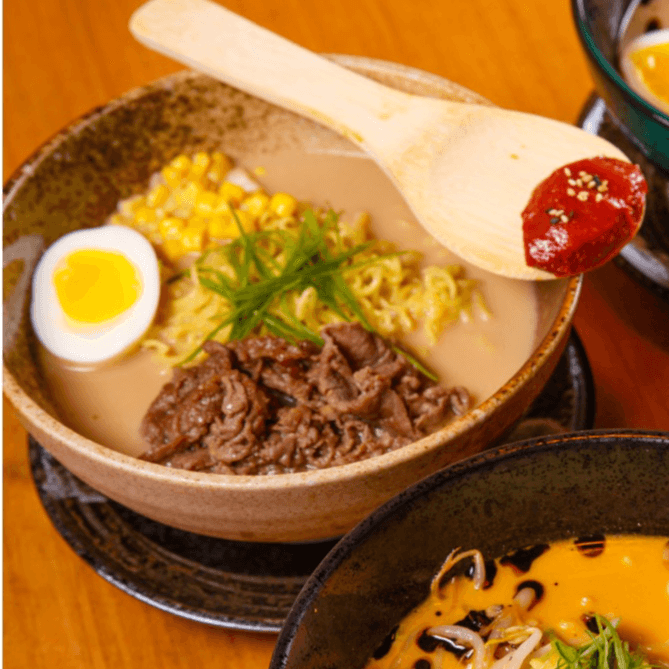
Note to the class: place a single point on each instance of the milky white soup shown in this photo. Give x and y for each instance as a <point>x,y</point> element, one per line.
<point>107,404</point>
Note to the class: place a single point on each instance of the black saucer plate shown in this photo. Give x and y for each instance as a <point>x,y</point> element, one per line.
<point>646,258</point>
<point>236,585</point>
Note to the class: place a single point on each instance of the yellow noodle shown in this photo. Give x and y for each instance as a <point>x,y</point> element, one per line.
<point>188,205</point>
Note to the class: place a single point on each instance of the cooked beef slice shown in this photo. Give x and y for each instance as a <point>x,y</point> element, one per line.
<point>265,406</point>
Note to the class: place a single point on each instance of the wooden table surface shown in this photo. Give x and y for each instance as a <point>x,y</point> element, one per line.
<point>64,57</point>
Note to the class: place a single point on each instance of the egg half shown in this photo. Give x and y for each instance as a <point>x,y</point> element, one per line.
<point>644,62</point>
<point>95,293</point>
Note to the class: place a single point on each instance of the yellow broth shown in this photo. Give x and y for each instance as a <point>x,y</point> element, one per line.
<point>618,577</point>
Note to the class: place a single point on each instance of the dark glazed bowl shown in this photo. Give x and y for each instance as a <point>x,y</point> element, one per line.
<point>600,24</point>
<point>531,492</point>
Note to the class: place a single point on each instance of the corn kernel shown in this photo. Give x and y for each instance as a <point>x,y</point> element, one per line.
<point>222,227</point>
<point>246,221</point>
<point>171,227</point>
<point>173,249</point>
<point>231,192</point>
<point>117,219</point>
<point>182,164</point>
<point>127,207</point>
<point>215,174</point>
<point>144,215</point>
<point>220,165</point>
<point>200,165</point>
<point>171,175</point>
<point>157,195</point>
<point>197,222</point>
<point>206,203</point>
<point>283,204</point>
<point>187,196</point>
<point>192,239</point>
<point>221,208</point>
<point>255,204</point>
<point>169,205</point>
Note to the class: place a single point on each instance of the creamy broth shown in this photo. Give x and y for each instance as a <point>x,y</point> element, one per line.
<point>107,404</point>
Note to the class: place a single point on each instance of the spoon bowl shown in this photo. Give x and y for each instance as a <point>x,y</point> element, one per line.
<point>466,171</point>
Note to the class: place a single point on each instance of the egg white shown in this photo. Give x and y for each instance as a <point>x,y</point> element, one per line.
<point>97,342</point>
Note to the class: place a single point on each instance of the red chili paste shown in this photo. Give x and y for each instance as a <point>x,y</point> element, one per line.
<point>581,215</point>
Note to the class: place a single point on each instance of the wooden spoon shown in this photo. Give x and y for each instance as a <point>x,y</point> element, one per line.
<point>466,170</point>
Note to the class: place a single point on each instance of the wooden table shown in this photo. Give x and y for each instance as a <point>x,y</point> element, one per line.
<point>63,57</point>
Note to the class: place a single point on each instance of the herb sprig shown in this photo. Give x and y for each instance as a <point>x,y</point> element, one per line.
<point>606,650</point>
<point>260,280</point>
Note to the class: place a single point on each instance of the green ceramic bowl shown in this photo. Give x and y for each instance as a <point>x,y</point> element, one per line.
<point>599,24</point>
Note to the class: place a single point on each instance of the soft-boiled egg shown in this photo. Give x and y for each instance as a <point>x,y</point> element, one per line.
<point>644,62</point>
<point>95,293</point>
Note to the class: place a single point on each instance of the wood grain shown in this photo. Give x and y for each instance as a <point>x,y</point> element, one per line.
<point>64,57</point>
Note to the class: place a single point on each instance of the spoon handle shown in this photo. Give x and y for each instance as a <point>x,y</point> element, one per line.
<point>230,48</point>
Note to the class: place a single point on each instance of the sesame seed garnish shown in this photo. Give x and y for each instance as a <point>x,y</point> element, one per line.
<point>591,183</point>
<point>582,196</point>
<point>599,197</point>
<point>567,171</point>
<point>564,218</point>
<point>571,192</point>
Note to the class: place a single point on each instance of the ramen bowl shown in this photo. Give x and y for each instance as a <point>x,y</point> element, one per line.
<point>77,179</point>
<point>601,26</point>
<point>515,496</point>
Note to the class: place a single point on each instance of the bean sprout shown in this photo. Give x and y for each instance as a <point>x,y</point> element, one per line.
<point>452,559</point>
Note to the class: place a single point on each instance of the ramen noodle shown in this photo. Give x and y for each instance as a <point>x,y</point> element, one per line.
<point>196,206</point>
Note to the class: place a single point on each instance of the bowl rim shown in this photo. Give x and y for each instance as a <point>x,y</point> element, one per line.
<point>587,38</point>
<point>471,466</point>
<point>108,457</point>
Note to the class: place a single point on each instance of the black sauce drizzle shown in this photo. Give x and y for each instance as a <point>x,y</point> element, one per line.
<point>536,587</point>
<point>428,644</point>
<point>591,546</point>
<point>521,560</point>
<point>467,567</point>
<point>490,573</point>
<point>590,623</point>
<point>386,644</point>
<point>474,620</point>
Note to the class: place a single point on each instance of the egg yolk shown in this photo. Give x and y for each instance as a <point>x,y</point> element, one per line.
<point>94,286</point>
<point>652,65</point>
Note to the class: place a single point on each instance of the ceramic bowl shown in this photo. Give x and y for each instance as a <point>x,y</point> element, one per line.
<point>518,495</point>
<point>76,180</point>
<point>600,25</point>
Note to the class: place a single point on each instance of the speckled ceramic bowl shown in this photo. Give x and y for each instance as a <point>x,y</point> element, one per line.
<point>77,179</point>
<point>538,491</point>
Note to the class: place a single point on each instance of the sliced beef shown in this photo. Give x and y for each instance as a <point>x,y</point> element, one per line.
<point>265,406</point>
